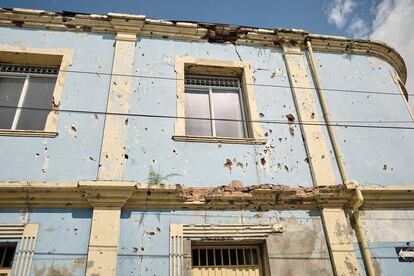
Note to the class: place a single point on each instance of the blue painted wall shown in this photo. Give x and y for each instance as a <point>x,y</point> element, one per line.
<point>372,156</point>
<point>144,238</point>
<point>202,164</point>
<point>62,240</point>
<point>69,156</point>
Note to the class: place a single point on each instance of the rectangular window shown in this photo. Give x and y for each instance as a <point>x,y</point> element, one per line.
<point>238,259</point>
<point>218,104</point>
<point>7,251</point>
<point>26,94</point>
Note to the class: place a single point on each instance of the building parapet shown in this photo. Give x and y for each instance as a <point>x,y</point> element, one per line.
<point>143,26</point>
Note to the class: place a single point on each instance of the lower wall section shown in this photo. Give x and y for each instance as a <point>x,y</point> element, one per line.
<point>299,248</point>
<point>62,239</point>
<point>290,242</point>
<point>388,231</point>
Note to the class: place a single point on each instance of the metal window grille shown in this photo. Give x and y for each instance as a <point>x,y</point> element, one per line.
<point>212,81</point>
<point>234,256</point>
<point>28,69</point>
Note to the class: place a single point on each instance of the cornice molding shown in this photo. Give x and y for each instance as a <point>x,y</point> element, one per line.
<point>142,26</point>
<point>106,193</point>
<point>133,195</point>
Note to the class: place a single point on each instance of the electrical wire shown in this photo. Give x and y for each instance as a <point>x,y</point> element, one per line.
<point>249,84</point>
<point>344,124</point>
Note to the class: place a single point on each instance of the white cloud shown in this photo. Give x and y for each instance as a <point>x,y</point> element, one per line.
<point>339,11</point>
<point>394,24</point>
<point>358,28</point>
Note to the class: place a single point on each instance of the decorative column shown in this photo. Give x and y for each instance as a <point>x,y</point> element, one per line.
<point>107,199</point>
<point>107,196</point>
<point>337,230</point>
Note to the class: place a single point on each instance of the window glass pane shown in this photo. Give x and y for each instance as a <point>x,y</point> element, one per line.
<point>195,257</point>
<point>7,251</point>
<point>197,105</point>
<point>210,253</point>
<point>233,260</point>
<point>8,258</point>
<point>227,106</point>
<point>226,258</point>
<point>39,95</point>
<point>240,257</point>
<point>248,255</point>
<point>218,257</point>
<point>203,257</point>
<point>10,91</point>
<point>254,257</point>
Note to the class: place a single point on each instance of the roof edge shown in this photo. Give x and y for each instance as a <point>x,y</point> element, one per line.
<point>143,26</point>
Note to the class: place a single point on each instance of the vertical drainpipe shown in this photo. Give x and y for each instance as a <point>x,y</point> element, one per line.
<point>369,268</point>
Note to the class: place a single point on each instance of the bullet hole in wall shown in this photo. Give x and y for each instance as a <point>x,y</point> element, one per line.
<point>228,164</point>
<point>291,118</point>
<point>292,131</point>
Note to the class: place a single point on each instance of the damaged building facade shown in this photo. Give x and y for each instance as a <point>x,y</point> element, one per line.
<point>133,146</point>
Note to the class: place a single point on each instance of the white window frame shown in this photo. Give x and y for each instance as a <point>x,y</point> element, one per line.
<point>210,88</point>
<point>242,70</point>
<point>61,57</point>
<point>24,91</point>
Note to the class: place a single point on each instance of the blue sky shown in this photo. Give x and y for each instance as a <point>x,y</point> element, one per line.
<point>299,14</point>
<point>390,21</point>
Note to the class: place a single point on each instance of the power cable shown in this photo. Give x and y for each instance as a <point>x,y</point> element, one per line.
<point>293,122</point>
<point>250,84</point>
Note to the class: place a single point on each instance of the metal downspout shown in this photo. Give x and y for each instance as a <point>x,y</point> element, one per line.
<point>360,231</point>
<point>369,268</point>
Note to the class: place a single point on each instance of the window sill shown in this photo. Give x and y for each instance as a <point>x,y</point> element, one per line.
<point>223,140</point>
<point>28,133</point>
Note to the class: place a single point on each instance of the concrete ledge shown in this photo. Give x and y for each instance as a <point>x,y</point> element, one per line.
<point>133,195</point>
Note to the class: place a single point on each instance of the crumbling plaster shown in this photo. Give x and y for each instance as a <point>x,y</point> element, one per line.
<point>153,96</point>
<point>144,233</point>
